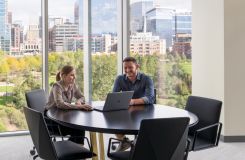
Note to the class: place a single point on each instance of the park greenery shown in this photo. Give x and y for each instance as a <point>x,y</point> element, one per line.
<point>171,73</point>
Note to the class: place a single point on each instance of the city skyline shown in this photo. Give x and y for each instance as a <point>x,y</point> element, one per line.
<point>65,9</point>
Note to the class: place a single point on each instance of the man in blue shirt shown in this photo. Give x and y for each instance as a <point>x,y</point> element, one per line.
<point>141,84</point>
<point>132,80</point>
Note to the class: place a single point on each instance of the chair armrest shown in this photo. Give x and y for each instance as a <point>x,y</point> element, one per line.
<point>208,127</point>
<point>219,125</point>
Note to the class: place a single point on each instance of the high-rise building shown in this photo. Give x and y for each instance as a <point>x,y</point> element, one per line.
<point>40,26</point>
<point>16,38</point>
<point>137,15</point>
<point>52,21</point>
<point>32,43</point>
<point>9,18</point>
<point>159,22</point>
<point>182,22</point>
<point>76,12</point>
<point>78,15</point>
<point>32,34</point>
<point>5,28</point>
<point>182,33</point>
<point>61,33</point>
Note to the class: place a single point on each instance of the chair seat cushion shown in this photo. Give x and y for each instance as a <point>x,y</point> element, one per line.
<point>69,150</point>
<point>122,155</point>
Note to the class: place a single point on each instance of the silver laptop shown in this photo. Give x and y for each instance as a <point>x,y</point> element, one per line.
<point>115,101</point>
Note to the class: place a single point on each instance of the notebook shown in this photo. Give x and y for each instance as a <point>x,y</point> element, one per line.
<point>115,101</point>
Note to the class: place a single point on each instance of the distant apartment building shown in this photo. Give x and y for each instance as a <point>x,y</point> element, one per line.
<point>146,43</point>
<point>52,21</point>
<point>141,43</point>
<point>182,44</point>
<point>61,33</point>
<point>99,43</point>
<point>138,13</point>
<point>16,38</point>
<point>5,27</point>
<point>32,42</point>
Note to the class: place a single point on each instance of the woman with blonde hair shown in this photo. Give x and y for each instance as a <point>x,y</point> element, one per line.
<point>62,94</point>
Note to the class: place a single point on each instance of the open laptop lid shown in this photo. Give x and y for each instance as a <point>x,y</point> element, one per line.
<point>116,101</point>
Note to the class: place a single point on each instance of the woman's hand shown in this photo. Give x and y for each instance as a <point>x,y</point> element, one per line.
<point>85,107</point>
<point>79,103</point>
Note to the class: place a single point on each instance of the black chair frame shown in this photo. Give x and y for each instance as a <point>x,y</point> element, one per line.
<point>197,132</point>
<point>52,147</point>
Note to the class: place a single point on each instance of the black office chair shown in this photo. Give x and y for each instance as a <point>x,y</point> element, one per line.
<point>206,132</point>
<point>48,149</point>
<point>36,99</point>
<point>114,144</point>
<point>164,139</point>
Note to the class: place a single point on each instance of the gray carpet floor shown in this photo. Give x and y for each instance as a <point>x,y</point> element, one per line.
<point>18,147</point>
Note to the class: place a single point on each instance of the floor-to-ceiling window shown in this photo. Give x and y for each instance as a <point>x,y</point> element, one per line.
<point>160,39</point>
<point>65,20</point>
<point>20,59</point>
<point>103,47</point>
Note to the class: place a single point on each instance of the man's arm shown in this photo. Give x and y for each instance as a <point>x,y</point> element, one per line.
<point>116,87</point>
<point>149,94</point>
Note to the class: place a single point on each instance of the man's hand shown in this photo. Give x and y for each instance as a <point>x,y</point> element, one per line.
<point>132,102</point>
<point>136,101</point>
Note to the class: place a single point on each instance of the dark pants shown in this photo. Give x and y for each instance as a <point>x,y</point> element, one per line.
<point>75,134</point>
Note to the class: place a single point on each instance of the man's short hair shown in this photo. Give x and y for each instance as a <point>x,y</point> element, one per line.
<point>130,59</point>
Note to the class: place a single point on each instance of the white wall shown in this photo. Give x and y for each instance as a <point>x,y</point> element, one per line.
<point>234,51</point>
<point>218,58</point>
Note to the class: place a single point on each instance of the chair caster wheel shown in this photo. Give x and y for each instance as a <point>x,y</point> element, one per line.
<point>32,152</point>
<point>113,147</point>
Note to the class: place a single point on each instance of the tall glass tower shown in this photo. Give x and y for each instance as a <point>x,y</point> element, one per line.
<point>137,15</point>
<point>159,22</point>
<point>4,27</point>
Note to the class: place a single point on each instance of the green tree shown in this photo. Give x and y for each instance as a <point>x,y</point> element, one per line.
<point>29,83</point>
<point>104,73</point>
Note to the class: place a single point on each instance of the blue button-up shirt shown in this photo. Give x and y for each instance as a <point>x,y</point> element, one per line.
<point>143,87</point>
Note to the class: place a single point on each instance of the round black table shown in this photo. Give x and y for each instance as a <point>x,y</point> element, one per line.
<point>123,121</point>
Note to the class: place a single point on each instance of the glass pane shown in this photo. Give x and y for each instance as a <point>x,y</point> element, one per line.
<point>65,38</point>
<point>160,39</point>
<point>20,59</point>
<point>104,47</point>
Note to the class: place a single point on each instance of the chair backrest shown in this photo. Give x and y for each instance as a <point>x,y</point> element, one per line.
<point>160,139</point>
<point>36,99</point>
<point>208,112</point>
<point>39,134</point>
